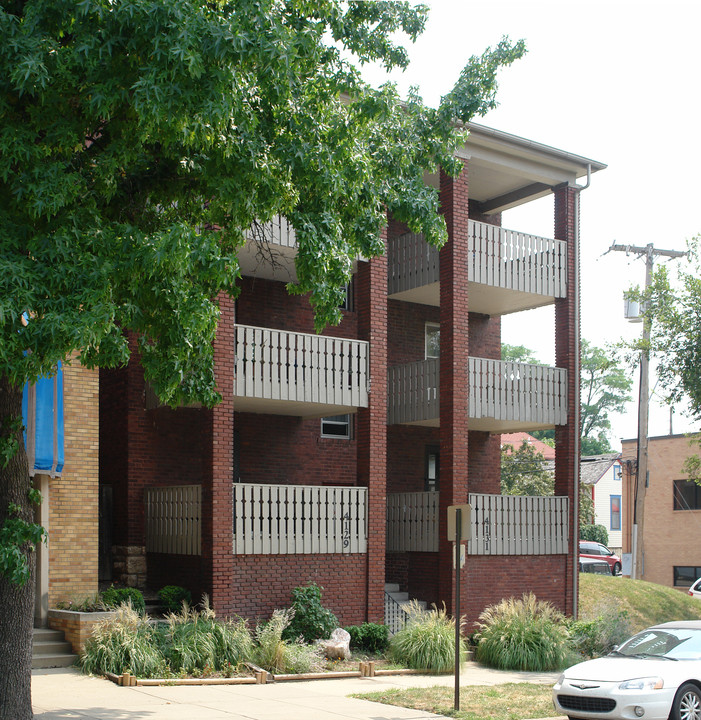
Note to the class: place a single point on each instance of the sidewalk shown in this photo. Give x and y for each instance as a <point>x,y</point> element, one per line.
<point>66,694</point>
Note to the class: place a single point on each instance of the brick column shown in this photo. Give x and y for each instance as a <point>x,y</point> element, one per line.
<point>217,507</point>
<point>453,369</point>
<point>567,356</point>
<point>371,424</point>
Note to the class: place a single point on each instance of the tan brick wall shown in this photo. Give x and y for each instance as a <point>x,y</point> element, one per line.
<point>73,497</point>
<point>670,537</point>
<point>76,626</point>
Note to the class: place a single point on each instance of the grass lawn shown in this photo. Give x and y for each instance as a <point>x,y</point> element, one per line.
<point>644,603</point>
<point>510,701</point>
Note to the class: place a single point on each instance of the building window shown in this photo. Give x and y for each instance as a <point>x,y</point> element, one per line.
<point>349,301</point>
<point>432,468</point>
<point>336,426</point>
<point>615,512</point>
<point>687,495</point>
<point>686,575</point>
<point>433,340</point>
<point>617,472</point>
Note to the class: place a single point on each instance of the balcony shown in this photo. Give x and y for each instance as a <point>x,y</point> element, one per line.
<point>270,250</point>
<point>289,373</point>
<point>503,396</point>
<point>508,271</point>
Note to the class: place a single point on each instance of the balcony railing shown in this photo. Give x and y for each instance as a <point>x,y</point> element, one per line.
<point>499,524</point>
<point>497,258</point>
<point>277,232</point>
<point>300,367</point>
<point>299,519</point>
<point>502,393</point>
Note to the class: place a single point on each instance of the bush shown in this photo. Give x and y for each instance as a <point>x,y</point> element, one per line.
<point>113,597</point>
<point>125,642</point>
<point>310,620</point>
<point>427,641</point>
<point>173,596</point>
<point>369,637</point>
<point>524,634</point>
<point>598,636</point>
<point>194,641</point>
<point>594,533</point>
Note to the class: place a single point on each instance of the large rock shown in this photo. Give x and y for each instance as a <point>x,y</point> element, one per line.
<point>337,647</point>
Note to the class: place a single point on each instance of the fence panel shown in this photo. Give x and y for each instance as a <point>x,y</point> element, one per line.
<point>412,522</point>
<point>173,517</point>
<point>299,519</point>
<point>518,525</point>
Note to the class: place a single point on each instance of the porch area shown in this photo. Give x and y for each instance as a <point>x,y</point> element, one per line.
<point>504,396</point>
<point>290,373</point>
<point>508,271</point>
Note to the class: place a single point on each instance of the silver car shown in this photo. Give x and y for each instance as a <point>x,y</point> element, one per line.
<point>656,675</point>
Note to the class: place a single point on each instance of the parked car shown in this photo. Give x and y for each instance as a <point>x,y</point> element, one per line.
<point>588,548</point>
<point>695,589</point>
<point>594,565</point>
<point>637,680</point>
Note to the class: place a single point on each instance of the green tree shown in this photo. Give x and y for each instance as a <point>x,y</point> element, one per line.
<point>525,471</point>
<point>140,139</point>
<point>605,389</point>
<point>604,386</point>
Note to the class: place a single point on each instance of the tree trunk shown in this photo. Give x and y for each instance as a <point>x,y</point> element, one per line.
<point>17,602</point>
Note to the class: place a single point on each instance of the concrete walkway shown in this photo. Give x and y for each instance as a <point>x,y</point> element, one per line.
<point>66,694</point>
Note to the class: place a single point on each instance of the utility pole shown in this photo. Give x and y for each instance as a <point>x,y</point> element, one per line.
<point>637,549</point>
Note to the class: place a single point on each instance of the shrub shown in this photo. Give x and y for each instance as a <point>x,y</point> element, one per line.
<point>125,642</point>
<point>113,597</point>
<point>369,637</point>
<point>594,533</point>
<point>87,603</point>
<point>524,634</point>
<point>173,596</point>
<point>310,620</point>
<point>427,641</point>
<point>277,655</point>
<point>598,636</point>
<point>193,640</point>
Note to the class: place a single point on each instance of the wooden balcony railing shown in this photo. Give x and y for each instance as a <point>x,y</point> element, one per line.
<point>497,257</point>
<point>501,390</point>
<point>499,524</point>
<point>301,367</point>
<point>299,519</point>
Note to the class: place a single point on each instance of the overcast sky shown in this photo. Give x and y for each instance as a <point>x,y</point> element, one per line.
<point>614,81</point>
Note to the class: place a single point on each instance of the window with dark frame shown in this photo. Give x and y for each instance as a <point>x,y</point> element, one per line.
<point>336,426</point>
<point>686,575</point>
<point>687,495</point>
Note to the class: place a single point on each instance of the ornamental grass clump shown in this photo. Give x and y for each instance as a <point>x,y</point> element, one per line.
<point>194,640</point>
<point>282,656</point>
<point>125,642</point>
<point>525,634</point>
<point>427,641</point>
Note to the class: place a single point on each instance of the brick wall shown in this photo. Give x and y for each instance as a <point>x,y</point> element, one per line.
<point>490,578</point>
<point>262,583</point>
<point>287,450</point>
<point>73,497</point>
<point>406,456</point>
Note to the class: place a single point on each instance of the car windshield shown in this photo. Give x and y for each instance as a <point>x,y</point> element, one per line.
<point>672,643</point>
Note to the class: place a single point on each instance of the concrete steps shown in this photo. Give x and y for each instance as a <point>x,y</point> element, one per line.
<point>402,598</point>
<point>50,649</point>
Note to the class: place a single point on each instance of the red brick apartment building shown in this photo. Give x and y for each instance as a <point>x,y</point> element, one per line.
<point>333,458</point>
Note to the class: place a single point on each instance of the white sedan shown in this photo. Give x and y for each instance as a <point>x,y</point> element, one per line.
<point>656,675</point>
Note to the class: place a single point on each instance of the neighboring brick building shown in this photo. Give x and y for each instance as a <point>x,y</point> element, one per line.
<point>333,458</point>
<point>672,511</point>
<point>64,410</point>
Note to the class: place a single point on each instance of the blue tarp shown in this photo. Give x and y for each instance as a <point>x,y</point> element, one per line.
<point>42,414</point>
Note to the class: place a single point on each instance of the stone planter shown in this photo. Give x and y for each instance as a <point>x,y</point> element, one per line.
<point>77,626</point>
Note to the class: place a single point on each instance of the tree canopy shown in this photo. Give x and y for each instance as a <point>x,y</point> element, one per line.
<point>140,139</point>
